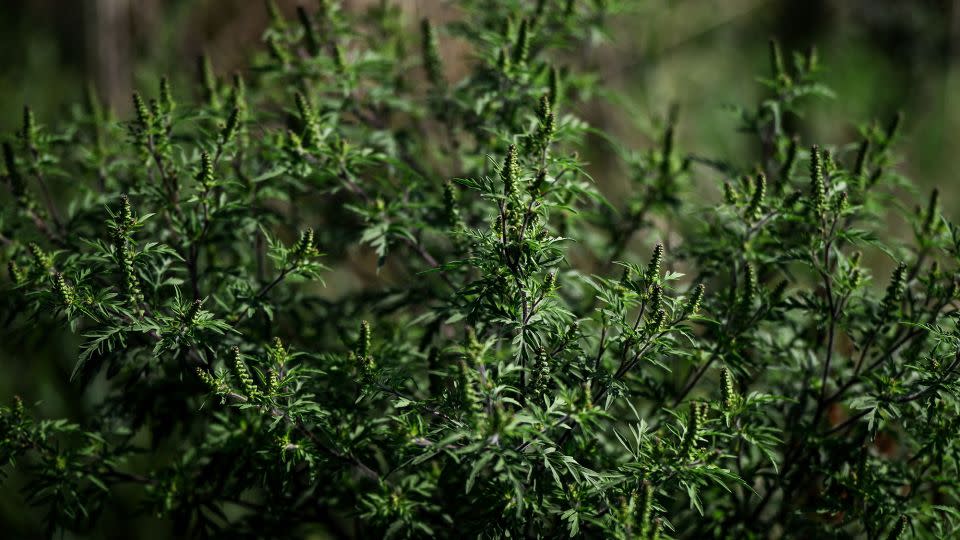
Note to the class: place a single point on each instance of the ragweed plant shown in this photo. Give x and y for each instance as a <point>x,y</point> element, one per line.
<point>779,364</point>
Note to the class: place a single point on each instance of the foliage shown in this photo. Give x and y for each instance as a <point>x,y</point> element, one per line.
<point>529,374</point>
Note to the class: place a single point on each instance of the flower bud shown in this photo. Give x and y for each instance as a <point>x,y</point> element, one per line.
<point>144,117</point>
<point>521,47</point>
<point>247,383</point>
<point>126,213</point>
<point>304,246</point>
<point>450,209</point>
<point>694,424</point>
<point>553,87</point>
<point>28,132</point>
<point>431,54</point>
<point>693,302</point>
<point>728,395</point>
<point>208,81</point>
<point>891,299</point>
<point>230,128</point>
<point>166,96</point>
<point>277,51</point>
<point>653,267</point>
<point>550,282</point>
<point>205,174</point>
<point>756,200</point>
<point>311,126</point>
<point>860,164</point>
<point>786,171</point>
<point>776,61</point>
<point>42,259</point>
<point>730,194</point>
<point>17,275</point>
<point>276,16</point>
<point>930,223</point>
<point>645,508</point>
<point>310,39</point>
<point>510,173</point>
<point>816,179</point>
<point>62,290</point>
<point>192,316</point>
<point>363,342</point>
<point>898,528</point>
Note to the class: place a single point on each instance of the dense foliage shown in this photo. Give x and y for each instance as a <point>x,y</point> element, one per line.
<point>517,367</point>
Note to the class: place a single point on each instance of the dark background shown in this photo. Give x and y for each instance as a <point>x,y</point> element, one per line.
<point>880,56</point>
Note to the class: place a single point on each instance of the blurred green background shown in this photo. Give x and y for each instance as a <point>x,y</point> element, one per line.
<point>880,56</point>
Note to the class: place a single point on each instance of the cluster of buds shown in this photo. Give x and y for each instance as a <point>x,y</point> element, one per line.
<point>167,103</point>
<point>855,274</point>
<point>311,124</point>
<point>17,274</point>
<point>238,95</point>
<point>469,397</point>
<point>541,373</point>
<point>653,267</point>
<point>143,127</point>
<point>756,199</point>
<point>730,195</point>
<point>192,316</point>
<point>432,63</point>
<point>695,421</point>
<point>510,173</point>
<point>305,248</point>
<point>789,162</point>
<point>310,38</point>
<point>891,299</point>
<point>553,87</point>
<point>247,384</point>
<point>24,201</point>
<point>208,81</point>
<point>779,292</point>
<point>648,527</point>
<point>215,384</point>
<point>63,291</point>
<point>125,217</point>
<point>586,396</point>
<point>547,124</point>
<point>890,134</point>
<point>521,46</point>
<point>550,282</point>
<point>841,202</point>
<point>931,222</point>
<point>860,165</point>
<point>361,354</point>
<point>777,67</point>
<point>818,187</point>
<point>28,133</point>
<point>205,175</point>
<point>658,315</point>
<point>238,110</point>
<point>728,393</point>
<point>42,259</point>
<point>692,305</point>
<point>230,126</point>
<point>277,50</point>
<point>279,354</point>
<point>749,289</point>
<point>451,210</point>
<point>898,528</point>
<point>124,253</point>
